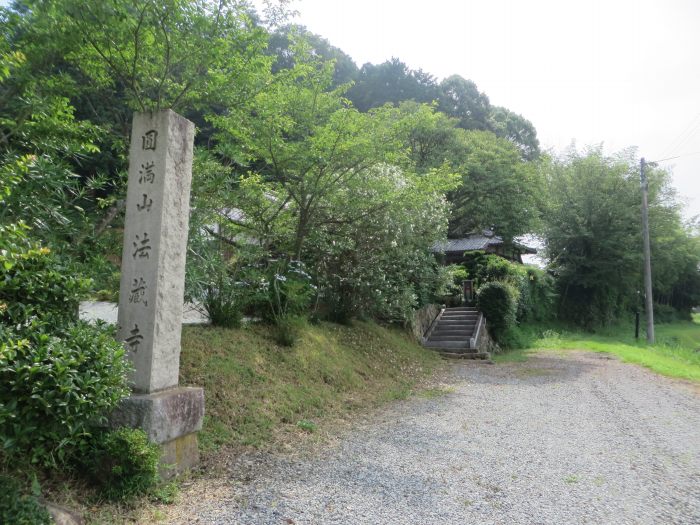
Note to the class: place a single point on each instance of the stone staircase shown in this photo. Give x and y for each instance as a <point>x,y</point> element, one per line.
<point>456,333</point>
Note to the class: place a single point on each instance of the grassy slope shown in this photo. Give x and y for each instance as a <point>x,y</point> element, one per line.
<point>256,390</point>
<point>676,353</point>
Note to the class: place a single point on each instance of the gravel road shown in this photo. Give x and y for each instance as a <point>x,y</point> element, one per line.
<point>564,438</point>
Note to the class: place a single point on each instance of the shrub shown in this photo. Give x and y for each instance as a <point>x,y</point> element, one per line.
<point>495,268</point>
<point>223,302</point>
<point>536,301</point>
<point>497,302</point>
<point>34,283</point>
<point>290,289</point>
<point>19,508</point>
<point>448,284</point>
<point>124,463</point>
<point>54,388</point>
<point>287,329</point>
<point>533,288</point>
<point>214,281</point>
<point>664,313</point>
<point>283,294</point>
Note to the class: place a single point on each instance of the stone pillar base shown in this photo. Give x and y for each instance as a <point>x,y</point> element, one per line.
<point>170,418</point>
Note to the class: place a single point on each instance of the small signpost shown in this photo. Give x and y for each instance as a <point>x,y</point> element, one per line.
<point>152,286</point>
<point>468,290</point>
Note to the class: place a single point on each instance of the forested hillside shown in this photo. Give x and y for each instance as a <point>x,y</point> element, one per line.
<point>320,191</point>
<point>325,181</point>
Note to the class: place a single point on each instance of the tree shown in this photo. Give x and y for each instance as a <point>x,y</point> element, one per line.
<point>167,54</point>
<point>391,82</point>
<point>107,59</point>
<point>499,190</point>
<point>593,240</point>
<point>372,256</point>
<point>430,137</point>
<point>460,98</point>
<point>592,236</point>
<point>281,46</point>
<point>40,139</point>
<point>675,247</point>
<point>520,131</point>
<point>308,141</point>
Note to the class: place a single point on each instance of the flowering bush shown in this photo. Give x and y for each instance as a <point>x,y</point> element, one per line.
<point>285,292</point>
<point>58,377</point>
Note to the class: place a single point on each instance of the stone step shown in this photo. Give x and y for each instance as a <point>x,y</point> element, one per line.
<point>452,331</point>
<point>461,309</point>
<point>450,337</point>
<point>463,350</point>
<point>441,337</point>
<point>457,322</point>
<point>448,345</point>
<point>472,318</point>
<point>466,355</point>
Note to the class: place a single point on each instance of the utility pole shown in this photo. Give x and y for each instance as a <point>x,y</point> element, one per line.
<point>647,255</point>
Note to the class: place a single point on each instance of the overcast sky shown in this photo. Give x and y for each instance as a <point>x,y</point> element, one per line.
<point>621,72</point>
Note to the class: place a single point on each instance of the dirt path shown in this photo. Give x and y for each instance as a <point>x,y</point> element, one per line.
<point>561,439</point>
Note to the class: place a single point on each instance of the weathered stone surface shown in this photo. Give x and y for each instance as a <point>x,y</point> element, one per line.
<point>165,415</point>
<point>486,343</point>
<point>63,516</point>
<point>178,455</point>
<point>155,244</point>
<point>422,319</point>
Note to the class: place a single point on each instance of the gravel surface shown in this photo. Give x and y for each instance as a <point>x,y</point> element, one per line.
<point>107,312</point>
<point>561,439</point>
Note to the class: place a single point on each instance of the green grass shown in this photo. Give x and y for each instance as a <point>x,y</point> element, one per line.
<point>518,355</point>
<point>675,354</point>
<point>257,391</point>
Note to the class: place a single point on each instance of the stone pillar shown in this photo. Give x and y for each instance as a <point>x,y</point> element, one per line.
<point>152,286</point>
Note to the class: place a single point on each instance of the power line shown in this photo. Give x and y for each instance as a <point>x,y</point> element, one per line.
<point>676,157</point>
<point>684,135</point>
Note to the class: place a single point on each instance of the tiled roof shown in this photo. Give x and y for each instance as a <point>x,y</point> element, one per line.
<point>473,242</point>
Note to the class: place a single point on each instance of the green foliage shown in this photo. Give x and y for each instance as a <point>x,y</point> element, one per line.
<point>664,313</point>
<point>391,82</point>
<point>495,268</point>
<point>461,99</point>
<point>306,425</point>
<point>448,285</point>
<point>290,290</point>
<point>35,283</point>
<point>19,508</point>
<point>283,160</point>
<point>518,130</point>
<point>675,353</point>
<point>532,288</point>
<point>375,261</point>
<point>214,280</point>
<point>497,301</point>
<point>287,329</point>
<point>282,46</point>
<point>55,388</point>
<point>166,54</point>
<point>536,301</point>
<point>58,377</point>
<point>593,238</point>
<point>263,390</point>
<point>499,190</point>
<point>124,463</point>
<point>284,294</point>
